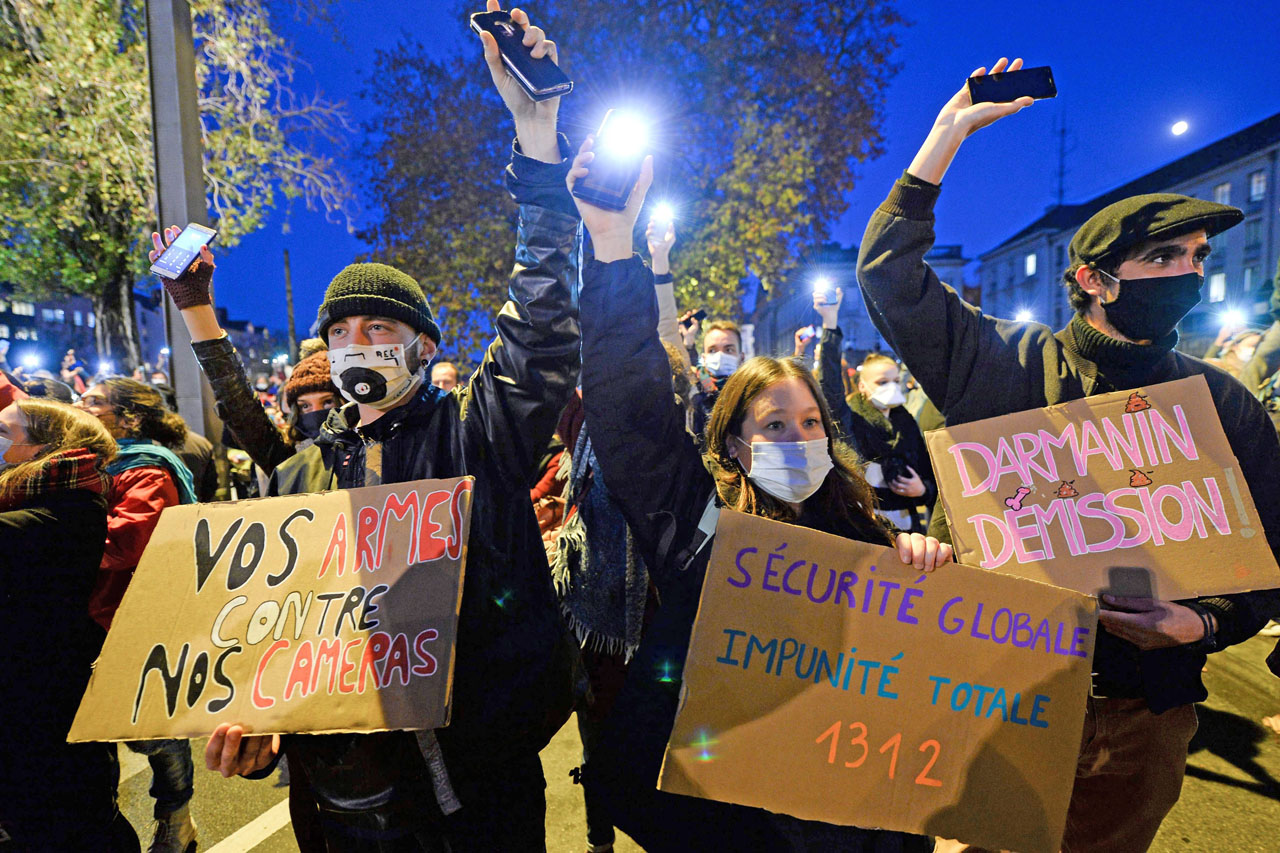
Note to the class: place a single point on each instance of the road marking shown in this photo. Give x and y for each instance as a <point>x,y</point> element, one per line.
<point>256,831</point>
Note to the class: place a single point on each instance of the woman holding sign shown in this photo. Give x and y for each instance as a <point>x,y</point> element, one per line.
<point>769,452</point>
<point>53,481</point>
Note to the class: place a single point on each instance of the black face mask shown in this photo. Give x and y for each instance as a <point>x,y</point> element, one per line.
<point>309,423</point>
<point>1148,309</point>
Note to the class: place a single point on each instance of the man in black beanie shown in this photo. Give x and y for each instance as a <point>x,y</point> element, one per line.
<point>1136,270</point>
<point>476,785</point>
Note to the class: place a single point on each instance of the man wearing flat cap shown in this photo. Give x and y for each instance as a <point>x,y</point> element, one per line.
<point>1136,269</point>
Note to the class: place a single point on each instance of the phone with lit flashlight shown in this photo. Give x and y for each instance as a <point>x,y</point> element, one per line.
<point>541,78</point>
<point>697,316</point>
<point>826,291</point>
<point>1008,86</point>
<point>174,262</point>
<point>619,150</point>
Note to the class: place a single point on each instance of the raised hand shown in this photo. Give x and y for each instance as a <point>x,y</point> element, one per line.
<point>195,285</point>
<point>828,311</point>
<point>610,230</point>
<point>535,120</point>
<point>958,118</point>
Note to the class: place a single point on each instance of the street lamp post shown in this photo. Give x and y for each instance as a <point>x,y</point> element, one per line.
<point>175,122</point>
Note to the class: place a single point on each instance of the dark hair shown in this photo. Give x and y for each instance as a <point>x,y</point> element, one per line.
<point>680,382</point>
<point>143,413</point>
<point>1075,293</point>
<point>844,498</point>
<point>723,326</point>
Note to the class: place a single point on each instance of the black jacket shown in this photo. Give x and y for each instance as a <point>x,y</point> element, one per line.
<point>889,439</point>
<point>511,688</point>
<point>654,469</point>
<point>974,367</point>
<point>238,407</point>
<point>50,550</point>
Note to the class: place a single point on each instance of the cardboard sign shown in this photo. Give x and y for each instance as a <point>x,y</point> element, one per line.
<point>1132,493</point>
<point>828,681</point>
<point>307,613</point>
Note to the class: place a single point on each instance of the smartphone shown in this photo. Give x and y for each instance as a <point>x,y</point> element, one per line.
<point>541,78</point>
<point>616,167</point>
<point>182,252</point>
<point>826,291</point>
<point>1008,86</point>
<point>808,332</point>
<point>698,316</point>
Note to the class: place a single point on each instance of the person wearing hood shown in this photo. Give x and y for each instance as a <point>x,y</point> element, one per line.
<point>54,795</point>
<point>771,450</point>
<point>1136,268</point>
<point>477,784</point>
<point>878,425</point>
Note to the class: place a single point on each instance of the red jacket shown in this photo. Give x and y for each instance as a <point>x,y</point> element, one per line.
<point>133,508</point>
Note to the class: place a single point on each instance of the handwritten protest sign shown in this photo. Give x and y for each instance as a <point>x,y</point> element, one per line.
<point>1131,493</point>
<point>307,613</point>
<point>828,681</point>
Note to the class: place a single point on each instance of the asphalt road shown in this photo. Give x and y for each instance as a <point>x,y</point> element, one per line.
<point>1230,800</point>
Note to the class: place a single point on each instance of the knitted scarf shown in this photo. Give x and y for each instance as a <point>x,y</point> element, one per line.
<point>64,470</point>
<point>143,453</point>
<point>599,575</point>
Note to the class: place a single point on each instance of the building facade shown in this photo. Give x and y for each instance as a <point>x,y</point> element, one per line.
<point>1022,277</point>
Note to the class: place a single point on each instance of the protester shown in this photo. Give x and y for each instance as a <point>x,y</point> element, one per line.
<point>477,784</point>
<point>784,465</point>
<point>146,478</point>
<point>878,426</point>
<point>444,375</point>
<point>196,452</point>
<point>1234,351</point>
<point>53,525</point>
<point>74,372</point>
<point>1136,269</point>
<point>49,388</point>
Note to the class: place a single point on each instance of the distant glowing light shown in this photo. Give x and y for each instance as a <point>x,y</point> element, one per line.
<point>1024,316</point>
<point>1179,128</point>
<point>164,350</point>
<point>822,283</point>
<point>664,212</point>
<point>626,136</point>
<point>106,367</point>
<point>31,361</point>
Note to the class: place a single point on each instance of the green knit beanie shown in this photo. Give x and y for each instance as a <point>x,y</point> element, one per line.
<point>377,290</point>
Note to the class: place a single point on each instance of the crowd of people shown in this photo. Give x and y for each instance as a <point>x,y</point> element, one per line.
<point>604,431</point>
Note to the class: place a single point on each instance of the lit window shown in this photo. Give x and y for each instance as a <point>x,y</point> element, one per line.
<point>1029,264</point>
<point>23,333</point>
<point>4,331</point>
<point>1222,193</point>
<point>78,318</point>
<point>48,315</point>
<point>35,335</point>
<point>26,309</point>
<point>4,305</point>
<point>1257,185</point>
<point>1217,287</point>
<point>92,320</point>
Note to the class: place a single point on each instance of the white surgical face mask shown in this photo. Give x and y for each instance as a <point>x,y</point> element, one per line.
<point>378,375</point>
<point>888,395</point>
<point>720,363</point>
<point>789,470</point>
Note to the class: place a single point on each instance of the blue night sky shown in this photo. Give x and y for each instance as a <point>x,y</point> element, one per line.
<point>1125,73</point>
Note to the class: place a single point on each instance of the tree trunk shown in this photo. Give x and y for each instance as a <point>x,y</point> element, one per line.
<point>116,332</point>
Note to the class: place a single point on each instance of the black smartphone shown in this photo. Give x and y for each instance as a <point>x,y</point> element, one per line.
<point>1008,86</point>
<point>619,148</point>
<point>540,78</point>
<point>698,316</point>
<point>182,252</point>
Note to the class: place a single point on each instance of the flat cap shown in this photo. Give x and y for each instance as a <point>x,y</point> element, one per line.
<point>1126,223</point>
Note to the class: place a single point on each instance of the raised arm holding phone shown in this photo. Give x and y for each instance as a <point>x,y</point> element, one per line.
<point>1136,268</point>
<point>769,451</point>
<point>476,785</point>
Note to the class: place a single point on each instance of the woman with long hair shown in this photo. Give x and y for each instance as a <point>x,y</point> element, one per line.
<point>146,478</point>
<point>770,451</point>
<point>53,522</point>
